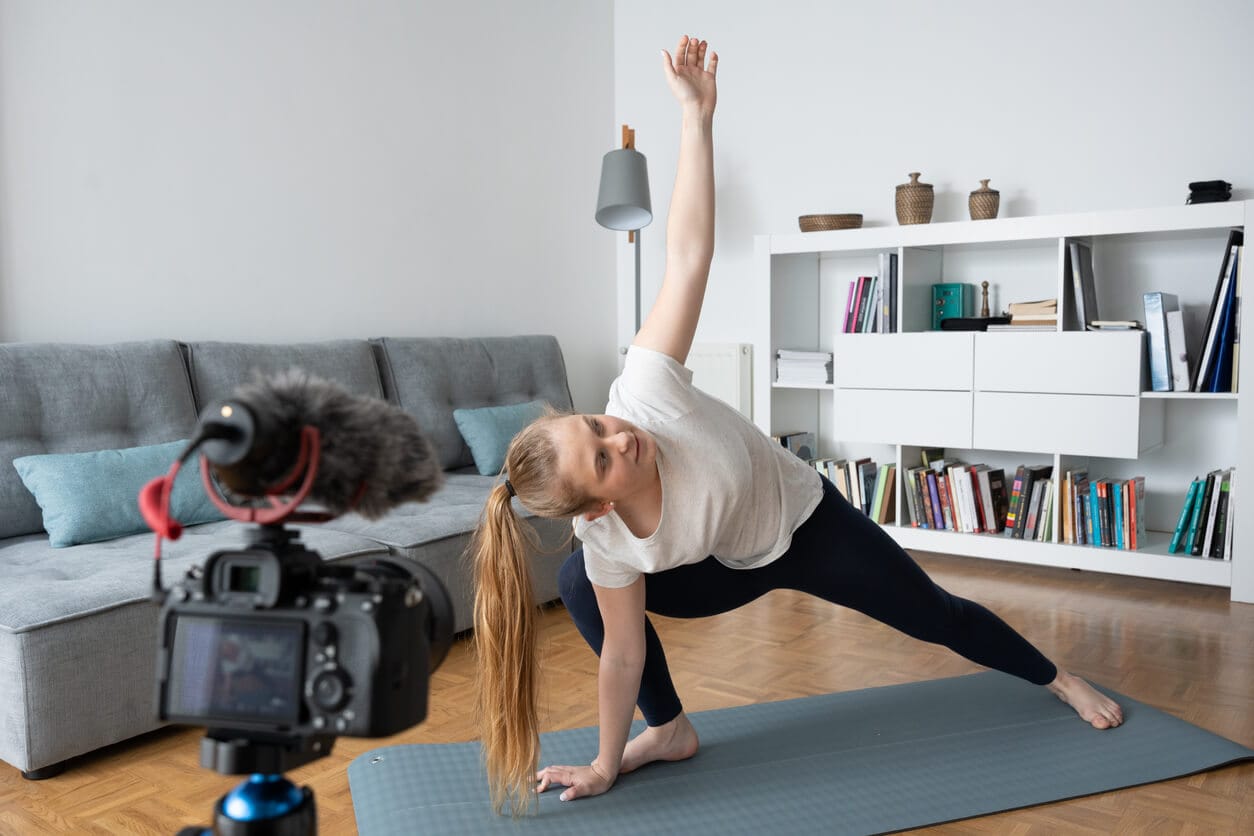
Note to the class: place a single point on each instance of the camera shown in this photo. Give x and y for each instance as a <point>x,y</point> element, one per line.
<point>274,650</point>
<point>271,639</point>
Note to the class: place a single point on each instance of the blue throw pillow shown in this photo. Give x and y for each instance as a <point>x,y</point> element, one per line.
<point>89,497</point>
<point>489,430</point>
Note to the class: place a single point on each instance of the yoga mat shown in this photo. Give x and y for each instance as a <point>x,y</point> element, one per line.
<point>869,761</point>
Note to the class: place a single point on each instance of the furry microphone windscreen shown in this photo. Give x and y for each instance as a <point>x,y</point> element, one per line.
<point>365,441</point>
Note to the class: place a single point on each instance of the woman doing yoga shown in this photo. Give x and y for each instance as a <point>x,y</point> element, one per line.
<point>684,509</point>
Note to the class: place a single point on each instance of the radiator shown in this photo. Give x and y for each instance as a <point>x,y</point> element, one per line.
<point>724,370</point>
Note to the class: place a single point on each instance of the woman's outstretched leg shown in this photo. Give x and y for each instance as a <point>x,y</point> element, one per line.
<point>840,555</point>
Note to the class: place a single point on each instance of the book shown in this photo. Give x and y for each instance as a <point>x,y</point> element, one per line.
<point>850,296</point>
<point>1136,504</point>
<point>1219,379</point>
<point>867,473</point>
<point>1232,520</point>
<point>931,454</point>
<point>1083,518</point>
<point>881,481</point>
<point>1236,323</point>
<point>1212,513</point>
<point>1016,494</point>
<point>1095,514</point>
<point>1116,492</point>
<point>938,516</point>
<point>1045,525</point>
<point>864,304</point>
<point>1040,306</point>
<point>946,500</point>
<point>1157,305</point>
<point>1216,548</point>
<point>1084,287</point>
<point>892,293</point>
<point>997,491</point>
<point>1186,514</point>
<point>888,505</point>
<point>1115,325</point>
<point>925,491</point>
<point>1202,515</point>
<point>1235,238</point>
<point>1034,508</point>
<point>1178,347</point>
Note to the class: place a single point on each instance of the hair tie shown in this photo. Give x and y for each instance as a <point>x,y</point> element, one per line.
<point>510,487</point>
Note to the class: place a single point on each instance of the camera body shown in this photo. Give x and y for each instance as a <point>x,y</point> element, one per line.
<point>270,640</point>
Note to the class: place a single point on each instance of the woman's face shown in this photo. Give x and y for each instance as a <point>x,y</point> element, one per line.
<point>605,457</point>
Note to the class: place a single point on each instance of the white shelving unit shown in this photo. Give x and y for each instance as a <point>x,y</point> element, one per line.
<point>1068,398</point>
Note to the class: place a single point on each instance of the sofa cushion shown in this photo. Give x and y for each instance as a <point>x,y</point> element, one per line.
<point>63,398</point>
<point>430,377</point>
<point>454,510</point>
<point>216,368</point>
<point>93,496</point>
<point>488,431</point>
<point>43,586</point>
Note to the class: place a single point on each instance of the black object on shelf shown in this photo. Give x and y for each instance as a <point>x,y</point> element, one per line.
<point>972,323</point>
<point>1209,191</point>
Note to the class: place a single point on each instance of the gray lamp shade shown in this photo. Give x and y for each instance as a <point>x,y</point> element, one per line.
<point>623,199</point>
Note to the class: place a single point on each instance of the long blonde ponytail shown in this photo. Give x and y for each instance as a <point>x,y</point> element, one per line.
<point>506,615</point>
<point>505,646</point>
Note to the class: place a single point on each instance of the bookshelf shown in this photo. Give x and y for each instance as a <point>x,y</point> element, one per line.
<point>1068,398</point>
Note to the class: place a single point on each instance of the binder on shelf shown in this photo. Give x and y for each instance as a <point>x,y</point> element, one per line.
<point>1157,306</point>
<point>1083,284</point>
<point>1210,331</point>
<point>1178,346</point>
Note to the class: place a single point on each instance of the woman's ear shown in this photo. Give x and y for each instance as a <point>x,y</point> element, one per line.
<point>602,508</point>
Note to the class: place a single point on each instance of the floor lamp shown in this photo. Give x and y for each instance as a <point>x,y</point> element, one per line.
<point>623,199</point>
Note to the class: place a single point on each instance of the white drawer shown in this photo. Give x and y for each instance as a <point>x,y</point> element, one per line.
<point>891,416</point>
<point>1081,425</point>
<point>928,360</point>
<point>1080,363</point>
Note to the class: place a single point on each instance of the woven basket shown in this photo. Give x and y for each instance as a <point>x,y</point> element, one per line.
<point>984,202</point>
<point>914,201</point>
<point>821,223</point>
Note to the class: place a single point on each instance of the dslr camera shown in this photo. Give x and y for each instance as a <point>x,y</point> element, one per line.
<point>276,651</point>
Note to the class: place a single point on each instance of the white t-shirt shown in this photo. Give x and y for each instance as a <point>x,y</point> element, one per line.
<point>728,490</point>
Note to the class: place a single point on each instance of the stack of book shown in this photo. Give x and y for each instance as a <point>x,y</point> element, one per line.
<point>871,303</point>
<point>1204,528</point>
<point>1107,513</point>
<point>868,486</point>
<point>1042,313</point>
<point>803,367</point>
<point>1031,512</point>
<point>1168,356</point>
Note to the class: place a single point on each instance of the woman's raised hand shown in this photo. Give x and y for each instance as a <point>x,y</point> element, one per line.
<point>690,79</point>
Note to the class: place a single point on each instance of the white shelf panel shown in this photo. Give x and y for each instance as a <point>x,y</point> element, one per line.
<point>1190,396</point>
<point>1152,561</point>
<point>1007,230</point>
<point>816,386</point>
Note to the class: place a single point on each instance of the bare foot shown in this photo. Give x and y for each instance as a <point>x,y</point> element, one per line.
<point>1093,706</point>
<point>673,741</point>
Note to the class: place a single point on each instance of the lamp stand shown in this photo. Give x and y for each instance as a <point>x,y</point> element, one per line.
<point>637,283</point>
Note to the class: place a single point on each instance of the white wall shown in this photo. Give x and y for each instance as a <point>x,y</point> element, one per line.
<point>826,106</point>
<point>303,169</point>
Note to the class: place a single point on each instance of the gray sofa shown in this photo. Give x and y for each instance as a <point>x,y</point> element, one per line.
<point>77,626</point>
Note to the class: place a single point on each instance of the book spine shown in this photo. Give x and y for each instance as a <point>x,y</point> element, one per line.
<point>1016,494</point>
<point>1180,373</point>
<point>938,516</point>
<point>1216,549</point>
<point>925,496</point>
<point>857,304</point>
<point>1212,514</point>
<point>997,491</point>
<point>881,482</point>
<point>1232,519</point>
<point>1034,506</point>
<point>946,501</point>
<point>1186,512</point>
<point>1117,489</point>
<point>1095,517</point>
<point>1156,329</point>
<point>1201,373</point>
<point>1199,512</point>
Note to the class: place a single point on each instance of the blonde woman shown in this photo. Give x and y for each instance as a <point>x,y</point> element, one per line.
<point>684,509</point>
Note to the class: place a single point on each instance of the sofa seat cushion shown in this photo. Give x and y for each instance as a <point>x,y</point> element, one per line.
<point>454,510</point>
<point>43,585</point>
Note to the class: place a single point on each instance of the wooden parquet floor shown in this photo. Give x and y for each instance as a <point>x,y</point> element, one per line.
<point>1184,649</point>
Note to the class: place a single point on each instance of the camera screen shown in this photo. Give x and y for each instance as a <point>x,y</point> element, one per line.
<point>236,669</point>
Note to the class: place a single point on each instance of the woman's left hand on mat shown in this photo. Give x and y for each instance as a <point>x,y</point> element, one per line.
<point>579,781</point>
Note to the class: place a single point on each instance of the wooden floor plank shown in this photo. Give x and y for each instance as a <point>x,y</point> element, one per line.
<point>1184,649</point>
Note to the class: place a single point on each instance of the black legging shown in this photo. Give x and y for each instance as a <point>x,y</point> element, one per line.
<point>839,555</point>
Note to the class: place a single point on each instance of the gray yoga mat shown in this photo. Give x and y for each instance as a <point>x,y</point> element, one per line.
<point>868,761</point>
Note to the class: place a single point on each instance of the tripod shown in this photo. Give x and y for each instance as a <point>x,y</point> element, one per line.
<point>267,804</point>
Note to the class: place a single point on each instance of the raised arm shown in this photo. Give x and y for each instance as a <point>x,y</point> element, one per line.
<point>671,323</point>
